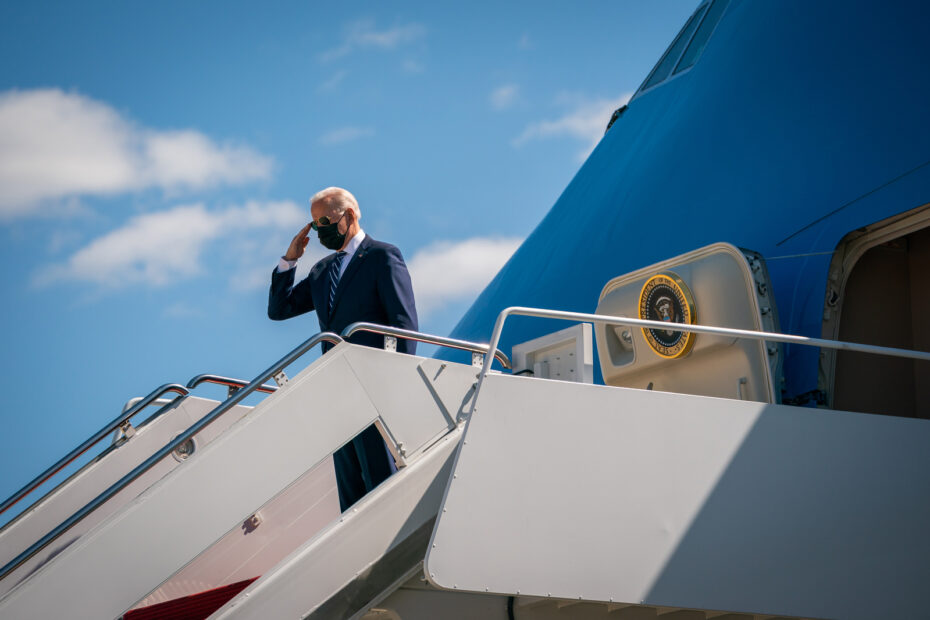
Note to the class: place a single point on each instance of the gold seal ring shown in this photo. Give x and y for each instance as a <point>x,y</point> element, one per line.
<point>665,297</point>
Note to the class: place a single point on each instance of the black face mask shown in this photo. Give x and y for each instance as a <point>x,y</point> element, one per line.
<point>330,236</point>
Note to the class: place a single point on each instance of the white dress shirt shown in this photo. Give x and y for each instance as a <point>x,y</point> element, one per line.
<point>350,249</point>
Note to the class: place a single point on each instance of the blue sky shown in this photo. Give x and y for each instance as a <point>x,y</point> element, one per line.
<point>156,159</point>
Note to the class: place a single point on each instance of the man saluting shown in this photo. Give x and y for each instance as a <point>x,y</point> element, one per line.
<point>362,280</point>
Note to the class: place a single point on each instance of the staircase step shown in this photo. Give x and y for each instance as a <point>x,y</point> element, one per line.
<point>194,607</point>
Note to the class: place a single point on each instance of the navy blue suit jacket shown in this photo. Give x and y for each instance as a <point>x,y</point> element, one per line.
<point>375,287</point>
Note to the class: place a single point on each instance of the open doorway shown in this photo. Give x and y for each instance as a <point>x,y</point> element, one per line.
<point>879,293</point>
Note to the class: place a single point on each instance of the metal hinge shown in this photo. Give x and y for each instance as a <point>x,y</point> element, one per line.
<point>124,433</point>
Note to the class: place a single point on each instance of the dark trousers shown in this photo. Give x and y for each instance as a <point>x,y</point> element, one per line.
<point>361,465</point>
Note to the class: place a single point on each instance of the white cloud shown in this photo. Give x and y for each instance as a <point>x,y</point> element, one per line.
<point>190,159</point>
<point>345,134</point>
<point>183,310</point>
<point>157,249</point>
<point>503,97</point>
<point>585,121</point>
<point>56,145</point>
<point>363,35</point>
<point>253,278</point>
<point>446,271</point>
<point>60,240</point>
<point>333,82</point>
<point>253,269</point>
<point>474,262</point>
<point>413,66</point>
<point>243,242</point>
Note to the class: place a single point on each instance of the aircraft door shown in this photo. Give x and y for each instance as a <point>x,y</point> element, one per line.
<point>877,294</point>
<point>718,285</point>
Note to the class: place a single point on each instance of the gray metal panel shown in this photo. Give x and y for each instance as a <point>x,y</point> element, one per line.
<point>400,387</point>
<point>416,600</point>
<point>452,384</point>
<point>97,477</point>
<point>283,523</point>
<point>614,494</point>
<point>346,552</point>
<point>122,559</point>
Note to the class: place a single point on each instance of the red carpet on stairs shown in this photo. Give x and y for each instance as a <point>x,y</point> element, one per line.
<point>194,607</point>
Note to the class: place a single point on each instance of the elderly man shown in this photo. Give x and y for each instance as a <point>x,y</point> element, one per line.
<point>362,280</point>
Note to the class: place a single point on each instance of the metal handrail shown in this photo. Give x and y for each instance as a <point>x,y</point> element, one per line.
<point>132,407</point>
<point>452,343</point>
<point>170,447</point>
<point>116,423</point>
<point>228,382</point>
<point>161,402</point>
<point>683,327</point>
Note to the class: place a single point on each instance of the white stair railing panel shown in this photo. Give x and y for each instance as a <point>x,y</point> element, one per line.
<point>133,551</point>
<point>617,495</point>
<point>424,398</point>
<point>98,476</point>
<point>316,580</point>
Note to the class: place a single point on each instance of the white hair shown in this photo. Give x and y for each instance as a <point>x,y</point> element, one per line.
<point>337,199</point>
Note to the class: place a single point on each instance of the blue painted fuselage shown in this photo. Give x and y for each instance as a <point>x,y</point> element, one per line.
<point>799,123</point>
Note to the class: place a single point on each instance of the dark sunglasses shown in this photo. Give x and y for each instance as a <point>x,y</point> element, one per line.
<point>324,221</point>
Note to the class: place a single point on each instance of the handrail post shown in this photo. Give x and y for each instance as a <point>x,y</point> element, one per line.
<point>486,367</point>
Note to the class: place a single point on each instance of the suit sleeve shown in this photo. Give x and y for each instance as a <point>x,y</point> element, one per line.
<point>396,293</point>
<point>285,300</point>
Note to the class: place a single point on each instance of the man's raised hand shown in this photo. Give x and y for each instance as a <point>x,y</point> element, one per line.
<point>298,244</point>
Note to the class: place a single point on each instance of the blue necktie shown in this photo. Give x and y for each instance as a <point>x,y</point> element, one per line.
<point>334,278</point>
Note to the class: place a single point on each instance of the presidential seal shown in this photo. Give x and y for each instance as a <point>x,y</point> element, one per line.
<point>665,297</point>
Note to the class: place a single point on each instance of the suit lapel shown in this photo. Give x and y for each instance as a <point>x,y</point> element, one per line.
<point>350,271</point>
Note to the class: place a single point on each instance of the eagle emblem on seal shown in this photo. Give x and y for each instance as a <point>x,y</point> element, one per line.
<point>665,297</point>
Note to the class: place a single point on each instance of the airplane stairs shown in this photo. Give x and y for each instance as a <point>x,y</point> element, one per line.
<point>553,500</point>
<point>260,496</point>
<point>130,447</point>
